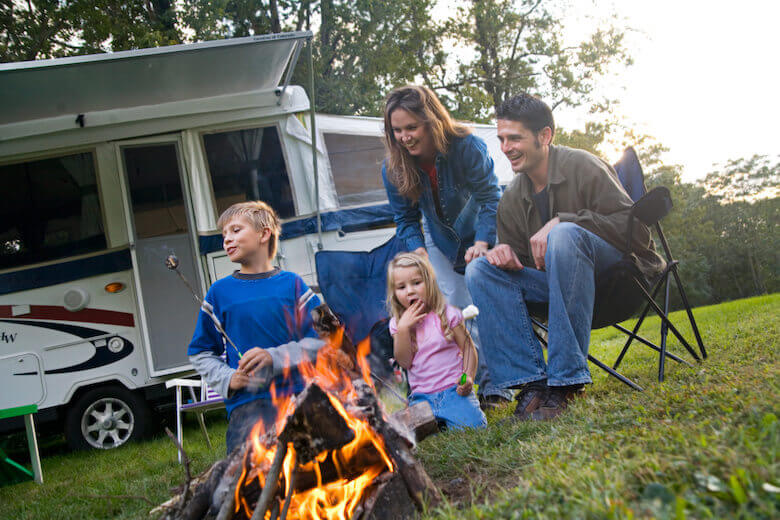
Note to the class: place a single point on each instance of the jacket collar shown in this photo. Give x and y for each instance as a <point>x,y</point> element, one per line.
<point>554,175</point>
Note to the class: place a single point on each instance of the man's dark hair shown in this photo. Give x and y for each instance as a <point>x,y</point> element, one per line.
<point>529,110</point>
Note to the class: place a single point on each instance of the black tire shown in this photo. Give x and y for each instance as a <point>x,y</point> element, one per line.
<point>105,418</point>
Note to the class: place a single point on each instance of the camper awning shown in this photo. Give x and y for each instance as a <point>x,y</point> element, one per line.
<point>82,84</point>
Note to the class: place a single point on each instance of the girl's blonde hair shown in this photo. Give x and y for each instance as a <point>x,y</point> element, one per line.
<point>434,299</point>
<point>261,215</point>
<point>423,103</point>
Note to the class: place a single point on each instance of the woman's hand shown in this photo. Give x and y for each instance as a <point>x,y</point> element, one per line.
<point>466,388</point>
<point>422,252</point>
<point>412,316</point>
<point>480,248</point>
<point>254,359</point>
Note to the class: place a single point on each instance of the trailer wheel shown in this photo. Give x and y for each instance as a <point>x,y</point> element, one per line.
<point>105,418</point>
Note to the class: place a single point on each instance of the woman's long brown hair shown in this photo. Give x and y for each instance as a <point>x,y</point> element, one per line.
<point>423,103</point>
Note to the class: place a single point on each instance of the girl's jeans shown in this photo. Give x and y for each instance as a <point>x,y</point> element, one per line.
<point>455,410</point>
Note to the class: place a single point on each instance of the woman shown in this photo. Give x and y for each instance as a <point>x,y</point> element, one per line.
<point>436,167</point>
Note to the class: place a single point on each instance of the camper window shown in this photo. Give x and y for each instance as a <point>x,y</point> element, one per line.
<point>51,209</point>
<point>355,161</point>
<point>249,165</point>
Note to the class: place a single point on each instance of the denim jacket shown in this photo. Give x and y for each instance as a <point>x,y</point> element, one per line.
<point>468,193</point>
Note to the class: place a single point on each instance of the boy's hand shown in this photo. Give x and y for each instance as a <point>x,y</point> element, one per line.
<point>254,359</point>
<point>238,380</point>
<point>466,388</point>
<point>412,316</point>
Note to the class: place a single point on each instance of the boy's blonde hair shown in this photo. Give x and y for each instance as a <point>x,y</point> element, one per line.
<point>434,298</point>
<point>261,216</point>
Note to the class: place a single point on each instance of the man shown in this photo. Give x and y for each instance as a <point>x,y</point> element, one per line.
<point>562,221</point>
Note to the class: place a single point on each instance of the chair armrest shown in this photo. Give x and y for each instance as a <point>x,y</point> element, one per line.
<point>193,383</point>
<point>653,206</point>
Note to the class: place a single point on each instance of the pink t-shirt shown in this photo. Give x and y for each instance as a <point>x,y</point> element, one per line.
<point>437,364</point>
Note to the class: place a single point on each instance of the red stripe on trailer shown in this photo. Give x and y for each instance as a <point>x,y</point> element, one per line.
<point>54,312</point>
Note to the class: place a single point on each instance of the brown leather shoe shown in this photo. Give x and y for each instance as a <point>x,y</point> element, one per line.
<point>558,398</point>
<point>531,396</point>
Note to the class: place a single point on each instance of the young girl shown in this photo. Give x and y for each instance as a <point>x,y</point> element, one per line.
<point>431,342</point>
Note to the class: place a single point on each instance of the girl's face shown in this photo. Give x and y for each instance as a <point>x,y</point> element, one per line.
<point>413,134</point>
<point>409,285</point>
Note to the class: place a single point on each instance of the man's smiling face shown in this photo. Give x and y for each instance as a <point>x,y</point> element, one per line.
<point>522,147</point>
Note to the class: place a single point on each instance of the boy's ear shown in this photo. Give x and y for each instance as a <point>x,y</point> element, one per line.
<point>265,235</point>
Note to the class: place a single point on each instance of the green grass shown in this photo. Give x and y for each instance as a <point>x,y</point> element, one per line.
<point>703,444</point>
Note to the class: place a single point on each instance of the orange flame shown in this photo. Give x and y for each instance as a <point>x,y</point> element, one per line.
<point>339,498</point>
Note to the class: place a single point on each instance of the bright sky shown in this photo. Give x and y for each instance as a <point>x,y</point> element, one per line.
<point>705,78</point>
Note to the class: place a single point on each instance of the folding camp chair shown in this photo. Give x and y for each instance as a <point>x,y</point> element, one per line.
<point>209,400</point>
<point>353,284</point>
<point>650,208</point>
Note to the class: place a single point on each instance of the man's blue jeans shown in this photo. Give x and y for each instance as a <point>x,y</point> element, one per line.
<point>514,355</point>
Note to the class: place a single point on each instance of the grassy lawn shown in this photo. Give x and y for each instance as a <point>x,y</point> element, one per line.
<point>703,444</point>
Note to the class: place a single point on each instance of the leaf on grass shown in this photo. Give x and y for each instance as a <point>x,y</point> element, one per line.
<point>737,490</point>
<point>770,488</point>
<point>709,482</point>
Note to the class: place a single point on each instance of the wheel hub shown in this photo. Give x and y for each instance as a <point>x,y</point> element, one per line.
<point>107,423</point>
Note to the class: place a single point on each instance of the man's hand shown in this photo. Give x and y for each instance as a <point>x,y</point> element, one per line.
<point>503,257</point>
<point>412,316</point>
<point>480,248</point>
<point>539,242</point>
<point>422,252</point>
<point>465,389</point>
<point>254,359</point>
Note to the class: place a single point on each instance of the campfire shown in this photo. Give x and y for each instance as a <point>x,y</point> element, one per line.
<point>332,453</point>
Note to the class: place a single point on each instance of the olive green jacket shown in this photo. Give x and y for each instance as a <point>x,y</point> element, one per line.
<point>585,190</point>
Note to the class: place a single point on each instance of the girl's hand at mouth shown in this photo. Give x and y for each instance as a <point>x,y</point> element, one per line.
<point>412,315</point>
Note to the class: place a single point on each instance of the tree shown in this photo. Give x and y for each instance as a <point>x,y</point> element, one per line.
<point>54,28</point>
<point>518,47</point>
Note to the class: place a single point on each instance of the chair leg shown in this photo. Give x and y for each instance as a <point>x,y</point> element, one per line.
<point>201,421</point>
<point>32,445</point>
<point>650,344</point>
<point>664,332</point>
<point>665,319</point>
<point>614,373</point>
<point>620,377</point>
<point>639,322</point>
<point>178,422</point>
<point>688,310</point>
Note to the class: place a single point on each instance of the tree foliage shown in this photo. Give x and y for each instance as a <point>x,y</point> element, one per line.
<point>518,46</point>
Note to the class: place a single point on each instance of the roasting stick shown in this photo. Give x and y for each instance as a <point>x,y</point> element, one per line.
<point>469,313</point>
<point>271,481</point>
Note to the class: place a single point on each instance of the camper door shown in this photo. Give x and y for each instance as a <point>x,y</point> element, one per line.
<point>161,223</point>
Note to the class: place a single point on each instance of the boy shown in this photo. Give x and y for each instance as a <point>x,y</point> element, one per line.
<point>265,311</point>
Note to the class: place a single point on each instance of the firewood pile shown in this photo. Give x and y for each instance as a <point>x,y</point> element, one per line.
<point>333,453</point>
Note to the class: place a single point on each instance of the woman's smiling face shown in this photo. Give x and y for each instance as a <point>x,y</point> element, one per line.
<point>413,134</point>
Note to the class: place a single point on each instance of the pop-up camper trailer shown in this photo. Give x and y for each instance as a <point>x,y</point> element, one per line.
<point>108,164</point>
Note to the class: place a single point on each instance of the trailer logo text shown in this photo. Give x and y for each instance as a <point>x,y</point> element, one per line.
<point>8,338</point>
